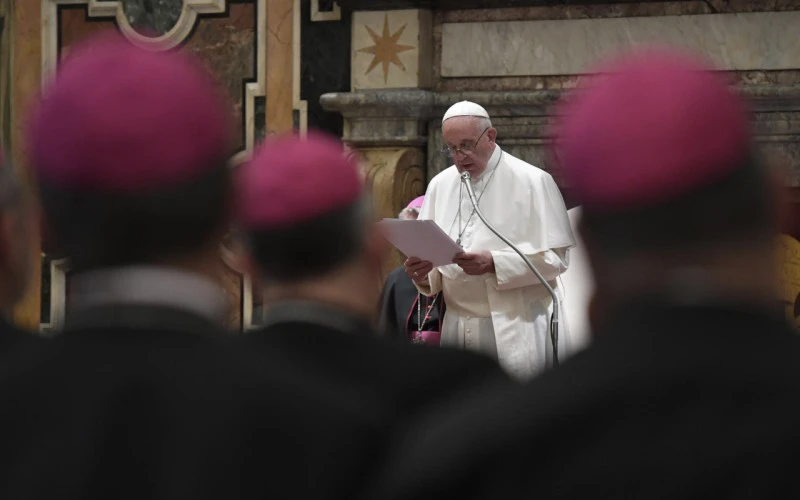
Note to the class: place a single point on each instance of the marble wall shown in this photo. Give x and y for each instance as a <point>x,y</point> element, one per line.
<point>602,13</point>
<point>747,41</point>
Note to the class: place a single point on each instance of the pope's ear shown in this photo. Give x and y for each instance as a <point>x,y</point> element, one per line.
<point>492,134</point>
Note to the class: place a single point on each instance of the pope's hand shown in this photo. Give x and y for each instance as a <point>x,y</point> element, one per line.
<point>476,263</point>
<point>417,269</point>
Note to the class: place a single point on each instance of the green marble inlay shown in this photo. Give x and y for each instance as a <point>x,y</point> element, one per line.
<point>152,17</point>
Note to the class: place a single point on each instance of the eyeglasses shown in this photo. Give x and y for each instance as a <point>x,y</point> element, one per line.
<point>466,148</point>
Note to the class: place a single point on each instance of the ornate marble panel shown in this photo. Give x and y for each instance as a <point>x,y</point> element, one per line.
<point>753,41</point>
<point>391,49</point>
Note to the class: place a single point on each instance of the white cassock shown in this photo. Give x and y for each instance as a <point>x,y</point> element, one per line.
<point>504,314</point>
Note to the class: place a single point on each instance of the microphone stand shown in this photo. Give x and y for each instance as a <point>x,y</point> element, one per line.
<point>554,319</point>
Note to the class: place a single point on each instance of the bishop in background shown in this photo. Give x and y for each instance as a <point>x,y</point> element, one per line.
<point>495,304</point>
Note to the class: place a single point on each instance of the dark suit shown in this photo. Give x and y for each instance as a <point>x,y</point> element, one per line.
<point>669,402</point>
<point>150,402</point>
<point>393,378</point>
<point>12,338</point>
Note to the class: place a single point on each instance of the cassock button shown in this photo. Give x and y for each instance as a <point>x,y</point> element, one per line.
<point>468,330</point>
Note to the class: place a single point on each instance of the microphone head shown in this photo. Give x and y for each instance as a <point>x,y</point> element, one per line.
<point>465,176</point>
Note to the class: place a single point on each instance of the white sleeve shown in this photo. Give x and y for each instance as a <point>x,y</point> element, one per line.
<point>512,272</point>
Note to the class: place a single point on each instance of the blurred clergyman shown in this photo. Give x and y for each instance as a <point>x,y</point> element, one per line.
<point>314,246</point>
<point>405,312</point>
<point>689,388</point>
<point>141,396</point>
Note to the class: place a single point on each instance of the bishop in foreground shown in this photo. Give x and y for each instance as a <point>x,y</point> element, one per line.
<point>495,304</point>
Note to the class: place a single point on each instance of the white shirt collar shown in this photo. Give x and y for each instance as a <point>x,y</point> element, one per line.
<point>152,286</point>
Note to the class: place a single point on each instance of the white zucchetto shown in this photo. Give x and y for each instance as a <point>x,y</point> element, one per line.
<point>465,108</point>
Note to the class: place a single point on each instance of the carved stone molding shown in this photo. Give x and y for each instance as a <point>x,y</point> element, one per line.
<point>427,105</point>
<point>412,117</point>
<point>395,177</point>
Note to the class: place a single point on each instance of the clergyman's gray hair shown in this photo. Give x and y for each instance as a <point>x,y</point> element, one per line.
<point>408,211</point>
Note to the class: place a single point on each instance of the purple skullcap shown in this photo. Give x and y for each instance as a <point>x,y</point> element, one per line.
<point>416,202</point>
<point>649,127</point>
<point>119,118</point>
<point>293,179</point>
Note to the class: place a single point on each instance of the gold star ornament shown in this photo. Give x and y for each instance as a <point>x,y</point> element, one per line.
<point>386,49</point>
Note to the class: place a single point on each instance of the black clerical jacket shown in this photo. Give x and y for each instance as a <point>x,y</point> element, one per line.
<point>399,315</point>
<point>391,379</point>
<point>153,402</point>
<point>669,402</point>
<point>12,339</point>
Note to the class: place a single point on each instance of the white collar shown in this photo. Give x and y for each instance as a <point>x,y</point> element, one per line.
<point>149,285</point>
<point>492,164</point>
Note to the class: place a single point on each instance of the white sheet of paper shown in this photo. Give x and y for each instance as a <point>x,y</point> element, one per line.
<point>423,239</point>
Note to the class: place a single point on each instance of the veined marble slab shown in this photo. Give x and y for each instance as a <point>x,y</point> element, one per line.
<point>750,41</point>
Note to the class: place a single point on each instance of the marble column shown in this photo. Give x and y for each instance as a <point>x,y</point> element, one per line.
<point>279,66</point>
<point>26,24</point>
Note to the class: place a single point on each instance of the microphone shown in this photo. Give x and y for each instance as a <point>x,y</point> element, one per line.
<point>554,318</point>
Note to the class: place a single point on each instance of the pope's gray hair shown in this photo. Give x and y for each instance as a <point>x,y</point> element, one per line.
<point>483,123</point>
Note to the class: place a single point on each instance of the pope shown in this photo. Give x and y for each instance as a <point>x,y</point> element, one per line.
<point>496,305</point>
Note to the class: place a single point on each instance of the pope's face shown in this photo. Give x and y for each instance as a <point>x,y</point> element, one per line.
<point>471,144</point>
